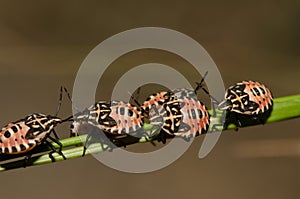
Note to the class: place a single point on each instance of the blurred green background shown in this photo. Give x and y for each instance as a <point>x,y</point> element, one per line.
<point>43,43</point>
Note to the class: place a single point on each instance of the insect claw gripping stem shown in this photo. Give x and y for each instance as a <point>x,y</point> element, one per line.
<point>86,144</point>
<point>56,140</point>
<point>104,142</point>
<point>149,140</point>
<point>26,159</point>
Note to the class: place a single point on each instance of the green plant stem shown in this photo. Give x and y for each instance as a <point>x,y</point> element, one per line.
<point>284,108</point>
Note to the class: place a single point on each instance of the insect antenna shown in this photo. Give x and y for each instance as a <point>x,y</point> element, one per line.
<point>68,94</point>
<point>70,98</point>
<point>59,101</point>
<point>70,118</point>
<point>200,86</point>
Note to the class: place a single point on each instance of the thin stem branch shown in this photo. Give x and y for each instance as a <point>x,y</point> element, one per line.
<point>285,108</point>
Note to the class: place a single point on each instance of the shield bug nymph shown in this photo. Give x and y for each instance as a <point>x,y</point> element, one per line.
<point>24,135</point>
<point>247,102</point>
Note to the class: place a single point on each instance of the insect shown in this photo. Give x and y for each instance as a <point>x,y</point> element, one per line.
<point>24,135</point>
<point>166,118</point>
<point>196,118</point>
<point>96,115</point>
<point>115,118</point>
<point>247,100</point>
<point>128,118</point>
<point>177,112</point>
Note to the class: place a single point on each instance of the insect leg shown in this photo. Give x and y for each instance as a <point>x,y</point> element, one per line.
<point>56,140</point>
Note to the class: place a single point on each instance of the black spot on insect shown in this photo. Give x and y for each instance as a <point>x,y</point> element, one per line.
<point>1,141</point>
<point>7,134</point>
<point>14,149</point>
<point>255,91</point>
<point>16,139</point>
<point>23,148</point>
<point>130,113</point>
<point>168,122</point>
<point>200,113</point>
<point>122,111</point>
<point>31,144</point>
<point>15,129</point>
<point>20,127</point>
<point>119,121</point>
<point>6,150</point>
<point>193,114</point>
<point>22,136</point>
<point>160,103</point>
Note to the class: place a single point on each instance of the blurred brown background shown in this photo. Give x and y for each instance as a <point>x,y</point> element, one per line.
<point>43,43</point>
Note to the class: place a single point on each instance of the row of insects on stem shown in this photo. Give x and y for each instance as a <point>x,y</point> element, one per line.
<point>170,113</point>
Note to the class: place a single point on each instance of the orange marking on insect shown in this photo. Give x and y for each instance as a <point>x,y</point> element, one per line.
<point>15,139</point>
<point>259,99</point>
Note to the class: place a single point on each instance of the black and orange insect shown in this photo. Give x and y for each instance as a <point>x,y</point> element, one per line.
<point>24,135</point>
<point>196,118</point>
<point>115,118</point>
<point>247,101</point>
<point>166,119</point>
<point>177,112</point>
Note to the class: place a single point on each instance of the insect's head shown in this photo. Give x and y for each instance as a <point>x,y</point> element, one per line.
<point>40,125</point>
